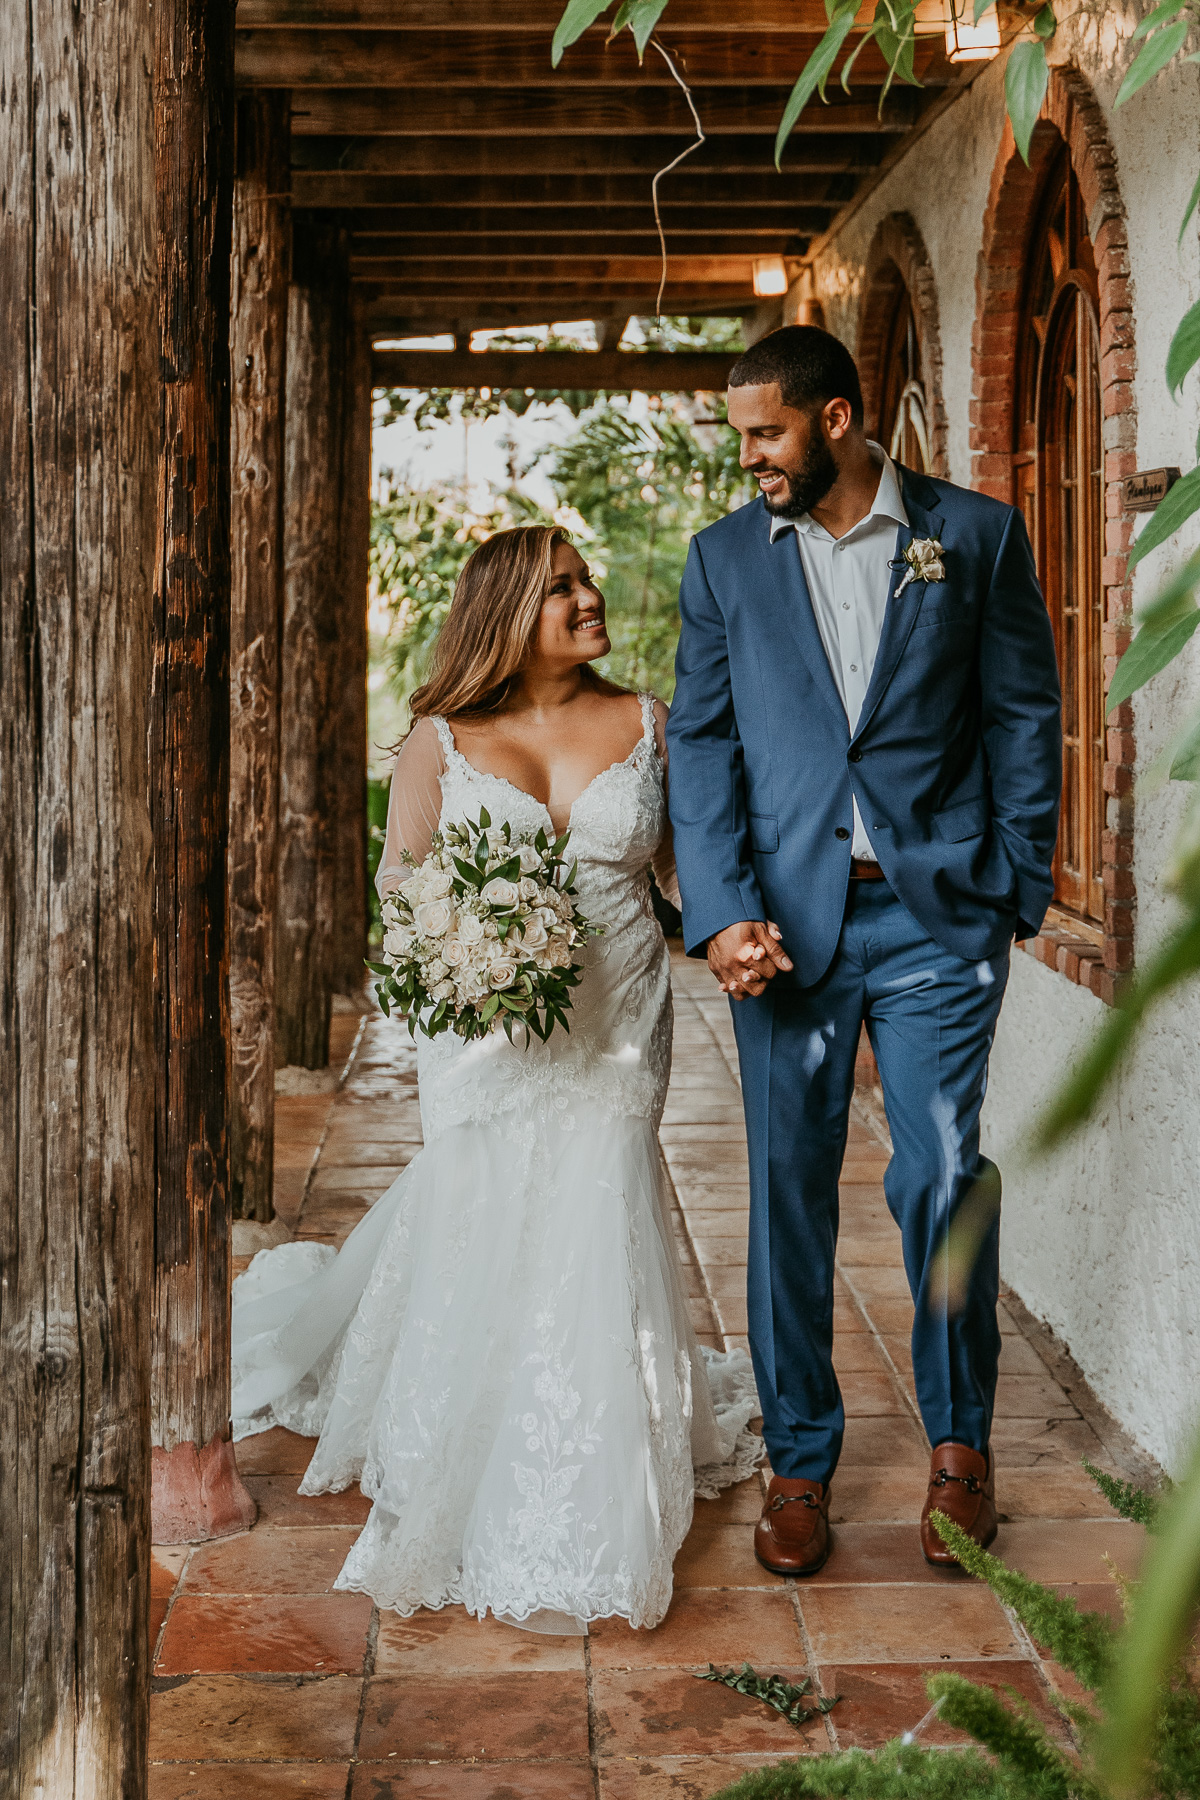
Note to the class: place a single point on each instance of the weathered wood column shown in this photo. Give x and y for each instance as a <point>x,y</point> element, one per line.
<point>350,916</point>
<point>261,269</point>
<point>78,459</point>
<point>312,614</point>
<point>196,1490</point>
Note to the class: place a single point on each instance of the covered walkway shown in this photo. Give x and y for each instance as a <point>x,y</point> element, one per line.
<point>267,1683</point>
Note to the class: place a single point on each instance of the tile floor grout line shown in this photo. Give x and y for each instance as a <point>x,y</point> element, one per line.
<point>368,1670</point>
<point>811,1663</point>
<point>593,1752</point>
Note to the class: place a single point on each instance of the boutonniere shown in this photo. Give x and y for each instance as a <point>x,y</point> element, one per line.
<point>921,561</point>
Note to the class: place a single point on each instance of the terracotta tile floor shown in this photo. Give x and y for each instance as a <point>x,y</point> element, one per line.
<point>267,1683</point>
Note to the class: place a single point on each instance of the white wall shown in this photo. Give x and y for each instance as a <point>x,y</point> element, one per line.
<point>1103,1241</point>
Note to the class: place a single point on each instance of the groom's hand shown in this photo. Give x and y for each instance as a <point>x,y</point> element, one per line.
<point>745,957</point>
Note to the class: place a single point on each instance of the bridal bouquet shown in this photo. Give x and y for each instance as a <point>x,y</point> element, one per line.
<point>484,933</point>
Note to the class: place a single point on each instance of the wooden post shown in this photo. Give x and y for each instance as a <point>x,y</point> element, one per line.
<point>260,272</point>
<point>312,609</point>
<point>197,1493</point>
<point>350,916</point>
<point>78,456</point>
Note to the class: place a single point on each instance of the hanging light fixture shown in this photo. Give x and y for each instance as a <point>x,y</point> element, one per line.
<point>972,43</point>
<point>770,276</point>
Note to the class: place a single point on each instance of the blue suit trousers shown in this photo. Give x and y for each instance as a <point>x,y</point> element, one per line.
<point>931,1017</point>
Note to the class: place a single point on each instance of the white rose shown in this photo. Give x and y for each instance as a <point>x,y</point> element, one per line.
<point>434,918</point>
<point>534,935</point>
<point>490,929</point>
<point>390,912</point>
<point>398,941</point>
<point>443,991</point>
<point>437,885</point>
<point>502,974</point>
<point>563,905</point>
<point>499,892</point>
<point>548,916</point>
<point>560,952</point>
<point>530,860</point>
<point>454,953</point>
<point>411,889</point>
<point>470,928</point>
<point>527,887</point>
<point>437,970</point>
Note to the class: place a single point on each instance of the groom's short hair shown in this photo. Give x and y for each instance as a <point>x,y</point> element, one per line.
<point>810,367</point>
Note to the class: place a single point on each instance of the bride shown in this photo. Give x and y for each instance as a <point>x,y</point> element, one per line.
<point>500,1354</point>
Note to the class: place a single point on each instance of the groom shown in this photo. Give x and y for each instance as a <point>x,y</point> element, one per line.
<point>865,749</point>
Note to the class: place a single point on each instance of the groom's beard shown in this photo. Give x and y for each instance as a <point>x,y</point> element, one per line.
<point>807,485</point>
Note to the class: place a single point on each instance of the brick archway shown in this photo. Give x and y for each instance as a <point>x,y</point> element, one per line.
<point>1072,115</point>
<point>898,254</point>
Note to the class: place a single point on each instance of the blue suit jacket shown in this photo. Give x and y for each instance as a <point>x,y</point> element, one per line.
<point>955,761</point>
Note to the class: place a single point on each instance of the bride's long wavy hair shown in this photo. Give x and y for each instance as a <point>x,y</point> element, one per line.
<point>492,622</point>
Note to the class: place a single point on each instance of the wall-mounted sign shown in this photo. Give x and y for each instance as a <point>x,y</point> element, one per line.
<point>1144,490</point>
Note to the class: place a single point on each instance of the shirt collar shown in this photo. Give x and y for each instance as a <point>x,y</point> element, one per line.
<point>887,504</point>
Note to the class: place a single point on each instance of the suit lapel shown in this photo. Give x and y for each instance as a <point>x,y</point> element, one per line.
<point>790,604</point>
<point>902,608</point>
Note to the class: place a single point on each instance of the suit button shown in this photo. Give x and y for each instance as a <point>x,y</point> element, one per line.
<point>856,756</point>
<point>842,833</point>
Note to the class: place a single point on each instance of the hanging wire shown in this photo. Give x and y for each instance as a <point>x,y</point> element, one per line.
<point>662,236</point>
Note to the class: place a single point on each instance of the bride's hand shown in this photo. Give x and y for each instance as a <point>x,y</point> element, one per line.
<point>746,956</point>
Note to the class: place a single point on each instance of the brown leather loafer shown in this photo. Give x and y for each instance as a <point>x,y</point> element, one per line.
<point>962,1484</point>
<point>792,1537</point>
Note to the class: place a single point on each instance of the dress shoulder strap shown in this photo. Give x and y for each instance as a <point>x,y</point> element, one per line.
<point>647,701</point>
<point>445,735</point>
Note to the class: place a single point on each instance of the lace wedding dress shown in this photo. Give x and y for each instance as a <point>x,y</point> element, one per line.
<point>500,1354</point>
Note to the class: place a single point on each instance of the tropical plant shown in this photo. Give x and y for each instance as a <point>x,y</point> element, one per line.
<point>645,485</point>
<point>1150,1750</point>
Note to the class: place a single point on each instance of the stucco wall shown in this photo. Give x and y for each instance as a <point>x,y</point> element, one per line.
<point>1103,1241</point>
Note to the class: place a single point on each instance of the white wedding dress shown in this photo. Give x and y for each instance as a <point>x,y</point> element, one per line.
<point>500,1354</point>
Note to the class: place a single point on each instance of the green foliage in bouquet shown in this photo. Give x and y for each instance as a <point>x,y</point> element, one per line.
<point>1139,1736</point>
<point>533,994</point>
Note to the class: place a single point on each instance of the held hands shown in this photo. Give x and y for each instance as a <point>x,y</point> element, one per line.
<point>745,957</point>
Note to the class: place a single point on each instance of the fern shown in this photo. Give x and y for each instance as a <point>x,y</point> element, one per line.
<point>1137,1504</point>
<point>897,1772</point>
<point>782,1696</point>
<point>1080,1641</point>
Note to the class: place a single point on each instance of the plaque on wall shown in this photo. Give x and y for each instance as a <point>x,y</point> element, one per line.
<point>1144,490</point>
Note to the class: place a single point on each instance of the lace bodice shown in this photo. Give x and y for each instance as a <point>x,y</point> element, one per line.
<point>618,1046</point>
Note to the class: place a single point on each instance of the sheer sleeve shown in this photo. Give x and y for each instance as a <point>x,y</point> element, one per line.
<point>414,804</point>
<point>663,861</point>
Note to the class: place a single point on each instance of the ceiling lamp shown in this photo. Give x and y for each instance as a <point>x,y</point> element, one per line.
<point>972,43</point>
<point>770,276</point>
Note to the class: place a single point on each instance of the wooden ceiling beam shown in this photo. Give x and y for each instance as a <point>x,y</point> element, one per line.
<point>620,371</point>
<point>532,18</point>
<point>550,112</point>
<point>368,257</point>
<point>521,156</point>
<point>496,193</point>
<point>557,299</point>
<point>602,271</point>
<point>482,59</point>
<point>373,230</point>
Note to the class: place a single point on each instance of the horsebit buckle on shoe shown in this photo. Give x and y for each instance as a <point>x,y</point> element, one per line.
<point>970,1482</point>
<point>792,1500</point>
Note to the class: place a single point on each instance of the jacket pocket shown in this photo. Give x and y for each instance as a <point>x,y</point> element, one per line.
<point>967,820</point>
<point>764,831</point>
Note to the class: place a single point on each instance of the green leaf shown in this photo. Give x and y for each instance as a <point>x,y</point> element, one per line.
<point>485,819</point>
<point>982,6</point>
<point>641,16</point>
<point>1185,348</point>
<point>1182,501</point>
<point>1149,653</point>
<point>1154,55</point>
<point>379,968</point>
<point>816,70</point>
<point>1191,207</point>
<point>1158,15</point>
<point>469,872</point>
<point>1178,958</point>
<point>898,45</point>
<point>1185,765</point>
<point>577,16</point>
<point>1025,82</point>
<point>1046,22</point>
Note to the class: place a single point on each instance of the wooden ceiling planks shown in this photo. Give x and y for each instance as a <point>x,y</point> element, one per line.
<point>477,183</point>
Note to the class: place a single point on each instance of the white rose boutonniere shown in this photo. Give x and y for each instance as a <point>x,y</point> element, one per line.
<point>921,561</point>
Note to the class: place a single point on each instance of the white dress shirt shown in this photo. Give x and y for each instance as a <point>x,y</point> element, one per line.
<point>848,581</point>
